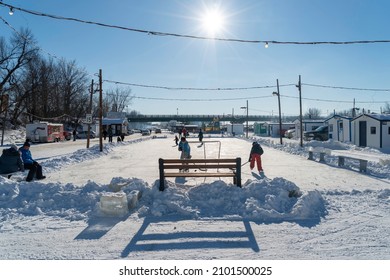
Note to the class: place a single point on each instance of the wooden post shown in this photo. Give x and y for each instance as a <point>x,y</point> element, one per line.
<point>280,114</point>
<point>100,110</point>
<point>161,169</point>
<point>238,172</point>
<point>300,112</point>
<point>90,110</point>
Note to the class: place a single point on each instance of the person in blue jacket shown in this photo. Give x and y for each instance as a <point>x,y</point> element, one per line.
<point>185,149</point>
<point>30,164</point>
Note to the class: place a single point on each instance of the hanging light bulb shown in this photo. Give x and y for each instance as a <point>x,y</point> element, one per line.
<point>266,45</point>
<point>11,11</point>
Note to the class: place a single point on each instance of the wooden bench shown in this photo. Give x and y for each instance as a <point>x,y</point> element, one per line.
<point>362,162</point>
<point>230,168</point>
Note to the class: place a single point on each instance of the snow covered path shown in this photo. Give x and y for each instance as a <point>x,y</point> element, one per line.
<point>342,213</point>
<point>140,160</point>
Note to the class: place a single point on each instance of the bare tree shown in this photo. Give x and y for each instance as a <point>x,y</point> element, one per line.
<point>313,113</point>
<point>14,57</point>
<point>118,99</point>
<point>386,108</point>
<point>73,89</point>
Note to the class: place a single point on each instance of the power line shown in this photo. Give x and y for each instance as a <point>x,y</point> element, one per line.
<point>333,101</point>
<point>346,88</point>
<point>200,99</point>
<point>242,88</point>
<point>196,89</point>
<point>27,39</point>
<point>158,33</point>
<point>197,37</point>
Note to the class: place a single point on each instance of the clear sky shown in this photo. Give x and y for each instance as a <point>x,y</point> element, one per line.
<point>179,62</point>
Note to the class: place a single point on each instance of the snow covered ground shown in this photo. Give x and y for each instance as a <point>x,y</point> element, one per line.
<point>340,214</point>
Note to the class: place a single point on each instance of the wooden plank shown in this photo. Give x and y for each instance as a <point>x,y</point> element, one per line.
<point>200,174</point>
<point>221,160</point>
<point>200,166</point>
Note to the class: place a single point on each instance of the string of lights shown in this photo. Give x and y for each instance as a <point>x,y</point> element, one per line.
<point>27,39</point>
<point>51,118</point>
<point>254,97</point>
<point>201,99</point>
<point>13,8</point>
<point>196,89</point>
<point>158,33</point>
<point>244,88</point>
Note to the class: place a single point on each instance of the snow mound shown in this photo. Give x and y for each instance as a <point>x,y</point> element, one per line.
<point>265,200</point>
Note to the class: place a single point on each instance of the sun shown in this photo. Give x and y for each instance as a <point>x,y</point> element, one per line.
<point>213,21</point>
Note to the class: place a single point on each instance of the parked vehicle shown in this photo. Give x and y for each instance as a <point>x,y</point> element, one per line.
<point>289,133</point>
<point>45,132</point>
<point>145,132</point>
<point>319,134</point>
<point>68,135</point>
<point>157,130</point>
<point>84,134</point>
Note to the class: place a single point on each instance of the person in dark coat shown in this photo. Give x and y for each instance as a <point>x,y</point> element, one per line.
<point>255,156</point>
<point>30,164</point>
<point>74,133</point>
<point>200,136</point>
<point>11,161</point>
<point>110,134</point>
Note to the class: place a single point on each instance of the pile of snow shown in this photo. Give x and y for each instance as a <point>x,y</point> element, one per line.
<point>261,201</point>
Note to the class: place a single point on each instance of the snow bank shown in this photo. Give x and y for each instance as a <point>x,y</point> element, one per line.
<point>261,201</point>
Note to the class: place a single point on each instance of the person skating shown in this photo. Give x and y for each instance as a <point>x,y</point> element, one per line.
<point>200,136</point>
<point>185,150</point>
<point>255,156</point>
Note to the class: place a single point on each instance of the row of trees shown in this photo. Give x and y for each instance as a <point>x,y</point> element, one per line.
<point>33,87</point>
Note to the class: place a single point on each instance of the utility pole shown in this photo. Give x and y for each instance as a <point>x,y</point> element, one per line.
<point>100,110</point>
<point>247,117</point>
<point>280,111</point>
<point>299,86</point>
<point>90,111</point>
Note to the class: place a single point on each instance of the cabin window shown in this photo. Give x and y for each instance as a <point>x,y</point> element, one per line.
<point>373,130</point>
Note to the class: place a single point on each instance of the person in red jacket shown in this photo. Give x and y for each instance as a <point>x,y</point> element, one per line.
<point>255,156</point>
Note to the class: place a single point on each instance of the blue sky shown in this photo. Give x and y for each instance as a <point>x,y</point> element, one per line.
<point>177,62</point>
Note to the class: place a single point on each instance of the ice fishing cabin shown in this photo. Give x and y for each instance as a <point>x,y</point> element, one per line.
<point>371,130</point>
<point>340,128</point>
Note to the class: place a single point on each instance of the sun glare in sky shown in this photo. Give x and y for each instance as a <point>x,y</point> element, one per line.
<point>213,21</point>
